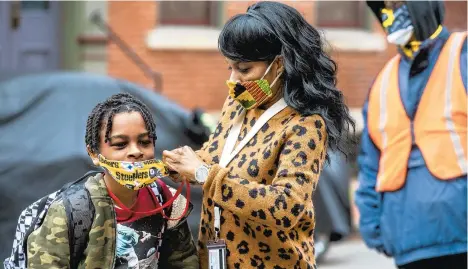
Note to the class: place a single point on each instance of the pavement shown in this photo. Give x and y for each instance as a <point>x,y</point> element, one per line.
<point>353,254</point>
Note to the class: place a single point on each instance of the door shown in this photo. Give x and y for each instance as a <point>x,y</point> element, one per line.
<point>29,36</point>
<point>4,43</point>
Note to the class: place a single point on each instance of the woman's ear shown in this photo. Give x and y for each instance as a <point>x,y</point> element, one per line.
<point>92,155</point>
<point>280,63</point>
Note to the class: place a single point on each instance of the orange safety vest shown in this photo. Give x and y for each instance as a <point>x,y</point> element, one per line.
<point>439,125</point>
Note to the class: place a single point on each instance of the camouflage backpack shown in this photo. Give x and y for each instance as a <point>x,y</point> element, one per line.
<point>80,214</point>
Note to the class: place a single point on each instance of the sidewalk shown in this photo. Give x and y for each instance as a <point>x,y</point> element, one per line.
<point>353,254</point>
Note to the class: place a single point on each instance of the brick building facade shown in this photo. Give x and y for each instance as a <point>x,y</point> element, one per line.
<point>179,40</point>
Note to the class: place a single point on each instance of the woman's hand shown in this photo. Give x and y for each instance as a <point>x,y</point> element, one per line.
<point>176,177</point>
<point>184,161</point>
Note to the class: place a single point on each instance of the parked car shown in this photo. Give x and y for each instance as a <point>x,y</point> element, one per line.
<point>42,128</point>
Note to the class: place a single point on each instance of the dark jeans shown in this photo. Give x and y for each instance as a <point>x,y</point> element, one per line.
<point>457,261</point>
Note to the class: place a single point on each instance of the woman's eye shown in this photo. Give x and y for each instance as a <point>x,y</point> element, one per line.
<point>244,70</point>
<point>229,68</point>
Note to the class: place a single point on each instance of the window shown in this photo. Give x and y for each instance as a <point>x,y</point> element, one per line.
<point>31,5</point>
<point>201,13</point>
<point>341,14</point>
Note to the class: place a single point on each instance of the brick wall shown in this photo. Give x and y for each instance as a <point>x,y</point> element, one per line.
<point>455,17</point>
<point>193,78</point>
<point>356,71</point>
<point>131,21</point>
<point>196,78</point>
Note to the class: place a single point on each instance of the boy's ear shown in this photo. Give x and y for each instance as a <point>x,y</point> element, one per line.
<point>92,155</point>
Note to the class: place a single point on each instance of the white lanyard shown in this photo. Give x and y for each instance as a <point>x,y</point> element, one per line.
<point>229,152</point>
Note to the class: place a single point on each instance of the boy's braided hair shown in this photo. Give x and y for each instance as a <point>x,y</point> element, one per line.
<point>103,114</point>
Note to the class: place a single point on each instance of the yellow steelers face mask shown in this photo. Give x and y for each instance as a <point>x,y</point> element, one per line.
<point>134,175</point>
<point>398,25</point>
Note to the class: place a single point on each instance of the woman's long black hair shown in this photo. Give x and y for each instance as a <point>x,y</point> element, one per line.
<point>269,29</point>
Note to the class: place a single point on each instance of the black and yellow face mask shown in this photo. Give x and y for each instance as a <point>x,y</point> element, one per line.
<point>400,31</point>
<point>398,25</point>
<point>134,175</point>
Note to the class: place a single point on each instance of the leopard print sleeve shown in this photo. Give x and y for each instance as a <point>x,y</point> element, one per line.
<point>300,155</point>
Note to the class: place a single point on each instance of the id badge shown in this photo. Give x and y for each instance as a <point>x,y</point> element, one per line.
<point>217,254</point>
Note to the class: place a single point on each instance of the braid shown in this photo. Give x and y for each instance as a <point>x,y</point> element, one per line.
<point>104,113</point>
<point>96,126</point>
<point>110,116</point>
<point>92,124</point>
<point>89,127</point>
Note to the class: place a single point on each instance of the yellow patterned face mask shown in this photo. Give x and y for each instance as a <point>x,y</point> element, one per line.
<point>134,175</point>
<point>252,94</point>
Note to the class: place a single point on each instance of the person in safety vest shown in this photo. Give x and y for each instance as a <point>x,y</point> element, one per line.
<point>412,193</point>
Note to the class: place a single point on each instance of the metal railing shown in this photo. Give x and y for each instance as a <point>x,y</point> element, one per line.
<point>155,77</point>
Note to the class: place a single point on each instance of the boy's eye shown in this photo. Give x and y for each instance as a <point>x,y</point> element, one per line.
<point>146,142</point>
<point>119,145</point>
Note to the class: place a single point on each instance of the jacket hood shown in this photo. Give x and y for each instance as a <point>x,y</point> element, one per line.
<point>426,16</point>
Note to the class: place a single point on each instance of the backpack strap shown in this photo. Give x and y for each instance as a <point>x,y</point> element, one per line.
<point>166,192</point>
<point>163,193</point>
<point>80,215</point>
<point>40,205</point>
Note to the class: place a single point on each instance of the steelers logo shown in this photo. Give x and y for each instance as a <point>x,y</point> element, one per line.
<point>154,172</point>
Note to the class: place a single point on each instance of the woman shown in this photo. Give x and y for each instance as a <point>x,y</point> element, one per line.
<point>128,219</point>
<point>258,191</point>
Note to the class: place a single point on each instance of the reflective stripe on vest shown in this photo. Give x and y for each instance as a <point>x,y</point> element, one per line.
<point>440,123</point>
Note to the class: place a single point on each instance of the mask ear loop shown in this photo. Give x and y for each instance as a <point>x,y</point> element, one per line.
<point>269,67</point>
<point>162,206</point>
<point>268,70</point>
<point>276,79</point>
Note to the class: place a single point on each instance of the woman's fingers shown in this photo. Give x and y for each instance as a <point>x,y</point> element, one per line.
<point>181,160</point>
<point>173,165</point>
<point>179,151</point>
<point>188,150</point>
<point>170,156</point>
<point>176,178</point>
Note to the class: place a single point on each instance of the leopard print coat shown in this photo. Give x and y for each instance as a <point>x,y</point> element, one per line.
<point>265,193</point>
